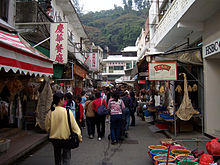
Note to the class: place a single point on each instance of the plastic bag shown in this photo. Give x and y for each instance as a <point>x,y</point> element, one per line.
<point>205,159</point>
<point>213,147</point>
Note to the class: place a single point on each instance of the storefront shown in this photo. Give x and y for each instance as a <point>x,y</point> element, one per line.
<point>211,55</point>
<point>80,77</point>
<point>22,73</point>
<point>168,90</point>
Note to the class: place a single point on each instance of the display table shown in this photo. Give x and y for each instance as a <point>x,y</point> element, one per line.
<point>174,122</point>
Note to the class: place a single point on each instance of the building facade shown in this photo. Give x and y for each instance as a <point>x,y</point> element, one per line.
<point>177,25</point>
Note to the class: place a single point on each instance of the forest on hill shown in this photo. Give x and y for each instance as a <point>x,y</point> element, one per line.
<point>118,27</point>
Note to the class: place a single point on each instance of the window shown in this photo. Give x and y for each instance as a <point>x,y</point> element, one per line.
<point>128,65</point>
<point>118,68</point>
<point>4,10</point>
<point>111,69</point>
<point>134,63</point>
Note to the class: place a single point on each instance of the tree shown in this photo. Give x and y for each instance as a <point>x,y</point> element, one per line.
<point>125,4</point>
<point>130,4</point>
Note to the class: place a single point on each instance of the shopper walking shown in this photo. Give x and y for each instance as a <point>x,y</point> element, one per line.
<point>79,111</point>
<point>90,117</point>
<point>56,124</point>
<point>134,105</point>
<point>83,101</point>
<point>126,111</point>
<point>100,120</point>
<point>70,103</point>
<point>115,106</point>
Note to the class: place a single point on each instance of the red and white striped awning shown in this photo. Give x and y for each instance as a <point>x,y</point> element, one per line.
<point>17,55</point>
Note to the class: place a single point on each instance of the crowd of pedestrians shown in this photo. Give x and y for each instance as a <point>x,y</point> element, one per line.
<point>84,109</point>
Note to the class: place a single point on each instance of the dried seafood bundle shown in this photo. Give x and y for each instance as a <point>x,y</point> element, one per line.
<point>186,110</point>
<point>43,105</point>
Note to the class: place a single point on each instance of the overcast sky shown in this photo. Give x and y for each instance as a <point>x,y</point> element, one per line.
<point>98,5</point>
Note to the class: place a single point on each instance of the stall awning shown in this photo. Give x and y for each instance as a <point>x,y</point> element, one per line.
<point>17,55</point>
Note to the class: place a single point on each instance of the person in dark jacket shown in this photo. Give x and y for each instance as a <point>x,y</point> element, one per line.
<point>126,111</point>
<point>133,107</point>
<point>79,111</point>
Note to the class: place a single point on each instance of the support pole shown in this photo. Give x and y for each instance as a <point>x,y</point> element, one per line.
<point>41,42</point>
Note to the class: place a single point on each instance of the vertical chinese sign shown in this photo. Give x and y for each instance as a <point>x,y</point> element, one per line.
<point>94,61</point>
<point>58,42</point>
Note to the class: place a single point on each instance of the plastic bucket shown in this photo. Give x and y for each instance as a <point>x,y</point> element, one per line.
<point>163,159</point>
<point>187,162</point>
<point>158,152</point>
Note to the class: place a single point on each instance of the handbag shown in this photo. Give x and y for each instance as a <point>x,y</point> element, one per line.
<point>101,110</point>
<point>73,141</point>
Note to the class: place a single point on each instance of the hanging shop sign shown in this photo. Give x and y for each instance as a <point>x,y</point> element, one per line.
<point>58,42</point>
<point>162,71</point>
<point>211,48</point>
<point>79,71</point>
<point>116,63</point>
<point>94,61</point>
<point>141,81</point>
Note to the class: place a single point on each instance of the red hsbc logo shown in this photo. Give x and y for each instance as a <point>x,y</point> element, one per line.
<point>162,67</point>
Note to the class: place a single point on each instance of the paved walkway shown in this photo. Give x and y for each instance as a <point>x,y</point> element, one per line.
<point>21,143</point>
<point>93,152</point>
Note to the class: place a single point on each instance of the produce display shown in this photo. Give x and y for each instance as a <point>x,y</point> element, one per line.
<point>152,147</point>
<point>180,151</point>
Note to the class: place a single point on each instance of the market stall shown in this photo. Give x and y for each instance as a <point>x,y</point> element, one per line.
<point>22,73</point>
<point>175,93</point>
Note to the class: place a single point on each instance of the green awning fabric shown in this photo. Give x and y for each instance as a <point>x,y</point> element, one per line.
<point>58,71</point>
<point>41,49</point>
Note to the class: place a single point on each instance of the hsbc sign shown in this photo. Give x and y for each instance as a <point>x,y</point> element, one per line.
<point>211,48</point>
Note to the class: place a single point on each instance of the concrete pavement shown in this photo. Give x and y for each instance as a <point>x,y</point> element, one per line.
<point>93,152</point>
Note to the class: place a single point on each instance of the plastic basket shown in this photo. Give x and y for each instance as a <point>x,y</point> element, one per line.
<point>187,162</point>
<point>182,157</point>
<point>158,152</point>
<point>180,151</point>
<point>163,159</point>
<point>147,113</point>
<point>152,147</point>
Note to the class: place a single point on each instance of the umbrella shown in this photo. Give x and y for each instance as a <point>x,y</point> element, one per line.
<point>109,85</point>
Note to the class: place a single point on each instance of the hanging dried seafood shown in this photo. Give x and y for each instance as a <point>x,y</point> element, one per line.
<point>14,86</point>
<point>189,88</point>
<point>178,89</point>
<point>162,90</point>
<point>186,110</point>
<point>194,88</point>
<point>44,104</point>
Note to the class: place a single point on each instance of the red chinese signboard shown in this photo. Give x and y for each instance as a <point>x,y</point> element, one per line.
<point>58,42</point>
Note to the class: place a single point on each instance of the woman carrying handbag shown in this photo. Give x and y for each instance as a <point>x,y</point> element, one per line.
<point>58,127</point>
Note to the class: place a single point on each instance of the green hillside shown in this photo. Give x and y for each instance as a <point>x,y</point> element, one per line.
<point>116,28</point>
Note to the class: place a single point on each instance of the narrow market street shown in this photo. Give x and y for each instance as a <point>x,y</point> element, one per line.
<point>93,152</point>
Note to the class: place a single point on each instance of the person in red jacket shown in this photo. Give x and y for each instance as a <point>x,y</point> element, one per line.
<point>100,120</point>
<point>79,111</point>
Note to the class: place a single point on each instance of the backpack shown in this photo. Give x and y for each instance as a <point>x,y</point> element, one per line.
<point>101,110</point>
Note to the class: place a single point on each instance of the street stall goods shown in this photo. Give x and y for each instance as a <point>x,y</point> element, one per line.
<point>152,147</point>
<point>187,162</point>
<point>163,159</point>
<point>180,151</point>
<point>158,152</point>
